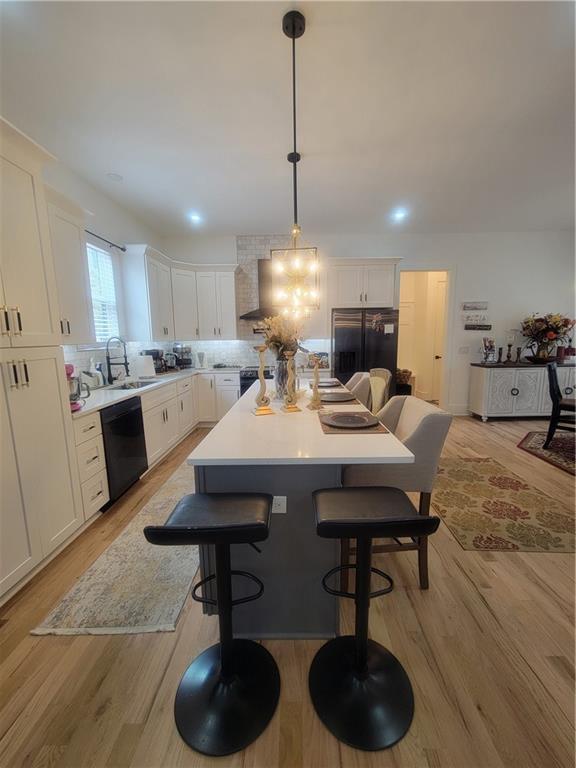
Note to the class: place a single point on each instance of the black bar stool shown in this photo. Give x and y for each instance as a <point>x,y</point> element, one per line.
<point>360,690</point>
<point>229,693</point>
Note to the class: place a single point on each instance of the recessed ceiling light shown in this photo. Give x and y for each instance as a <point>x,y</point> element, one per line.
<point>195,218</point>
<point>115,177</point>
<point>399,214</point>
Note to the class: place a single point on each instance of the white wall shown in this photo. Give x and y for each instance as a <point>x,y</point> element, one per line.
<point>516,272</point>
<point>109,219</point>
<point>201,249</point>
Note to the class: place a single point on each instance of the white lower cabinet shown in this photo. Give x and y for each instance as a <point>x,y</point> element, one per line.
<point>40,502</point>
<point>161,429</point>
<point>226,396</point>
<point>186,410</point>
<point>206,397</point>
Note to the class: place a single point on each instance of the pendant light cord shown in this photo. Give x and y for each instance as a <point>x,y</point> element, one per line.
<point>295,157</point>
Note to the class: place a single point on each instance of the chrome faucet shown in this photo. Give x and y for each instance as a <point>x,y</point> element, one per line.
<point>110,361</point>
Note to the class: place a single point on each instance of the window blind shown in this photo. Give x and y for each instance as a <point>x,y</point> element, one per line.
<point>103,290</point>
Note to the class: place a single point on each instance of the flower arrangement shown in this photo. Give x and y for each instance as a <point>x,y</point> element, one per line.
<point>281,334</point>
<point>544,332</point>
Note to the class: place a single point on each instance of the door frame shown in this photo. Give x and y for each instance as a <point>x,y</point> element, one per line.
<point>450,271</point>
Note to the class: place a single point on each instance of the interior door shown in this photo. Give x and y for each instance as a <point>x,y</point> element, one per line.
<point>25,259</point>
<point>207,308</point>
<point>20,546</point>
<point>185,304</point>
<point>226,305</point>
<point>38,406</point>
<point>347,343</point>
<point>439,335</point>
<point>72,280</point>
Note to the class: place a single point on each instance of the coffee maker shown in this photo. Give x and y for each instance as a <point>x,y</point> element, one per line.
<point>184,355</point>
<point>157,356</point>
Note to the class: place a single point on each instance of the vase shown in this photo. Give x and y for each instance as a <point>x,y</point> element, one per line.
<point>544,354</point>
<point>281,378</point>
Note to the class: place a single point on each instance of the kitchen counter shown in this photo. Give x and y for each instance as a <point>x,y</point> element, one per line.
<point>288,456</point>
<point>291,438</point>
<point>105,396</point>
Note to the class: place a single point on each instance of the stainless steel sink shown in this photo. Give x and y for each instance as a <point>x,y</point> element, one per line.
<point>134,385</point>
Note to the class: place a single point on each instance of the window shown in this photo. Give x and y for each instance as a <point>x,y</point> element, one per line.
<point>103,290</point>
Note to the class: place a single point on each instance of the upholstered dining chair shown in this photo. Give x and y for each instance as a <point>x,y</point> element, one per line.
<point>558,419</point>
<point>359,385</point>
<point>379,388</point>
<point>422,427</point>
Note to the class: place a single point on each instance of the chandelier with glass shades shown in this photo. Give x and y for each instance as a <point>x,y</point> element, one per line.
<point>295,269</point>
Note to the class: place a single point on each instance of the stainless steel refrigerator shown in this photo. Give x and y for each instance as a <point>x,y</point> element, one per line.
<point>363,339</point>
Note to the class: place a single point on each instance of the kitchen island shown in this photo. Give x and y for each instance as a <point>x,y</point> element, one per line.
<point>289,456</point>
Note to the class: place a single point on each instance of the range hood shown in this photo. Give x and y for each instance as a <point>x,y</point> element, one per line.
<point>265,307</point>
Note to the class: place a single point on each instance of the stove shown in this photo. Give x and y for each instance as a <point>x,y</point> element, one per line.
<point>249,374</point>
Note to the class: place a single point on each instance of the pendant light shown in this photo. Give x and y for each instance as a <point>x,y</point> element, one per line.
<point>295,269</point>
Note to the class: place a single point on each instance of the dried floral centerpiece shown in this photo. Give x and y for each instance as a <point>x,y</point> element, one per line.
<point>544,333</point>
<point>281,334</point>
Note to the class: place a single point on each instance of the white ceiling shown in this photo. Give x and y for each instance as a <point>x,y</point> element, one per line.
<point>461,111</point>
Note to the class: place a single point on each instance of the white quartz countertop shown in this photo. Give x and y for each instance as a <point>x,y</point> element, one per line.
<point>105,396</point>
<point>241,438</point>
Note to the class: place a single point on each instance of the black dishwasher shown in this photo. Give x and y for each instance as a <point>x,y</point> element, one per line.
<point>124,445</point>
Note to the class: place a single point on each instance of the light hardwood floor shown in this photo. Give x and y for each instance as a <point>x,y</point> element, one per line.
<point>489,650</point>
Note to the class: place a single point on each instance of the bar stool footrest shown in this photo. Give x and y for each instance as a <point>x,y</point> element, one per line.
<point>353,567</point>
<point>248,599</point>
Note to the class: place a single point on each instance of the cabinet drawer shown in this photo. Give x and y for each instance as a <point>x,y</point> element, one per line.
<point>184,385</point>
<point>227,379</point>
<point>87,427</point>
<point>91,458</point>
<point>157,396</point>
<point>94,494</point>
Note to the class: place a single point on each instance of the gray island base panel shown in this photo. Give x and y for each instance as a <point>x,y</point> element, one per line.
<point>293,558</point>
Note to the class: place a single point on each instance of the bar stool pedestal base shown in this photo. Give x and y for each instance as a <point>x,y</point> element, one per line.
<point>218,717</point>
<point>371,711</point>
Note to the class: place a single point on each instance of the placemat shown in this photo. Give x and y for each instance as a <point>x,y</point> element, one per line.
<point>379,429</point>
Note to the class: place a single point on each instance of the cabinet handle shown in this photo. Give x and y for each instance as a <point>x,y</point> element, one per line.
<point>13,374</point>
<point>365,297</point>
<point>93,458</point>
<point>197,332</point>
<point>219,332</point>
<point>568,390</point>
<point>96,496</point>
<point>6,329</point>
<point>68,326</point>
<point>87,429</point>
<point>62,327</point>
<point>182,405</point>
<point>214,331</point>
<point>211,383</point>
<point>237,394</point>
<point>514,391</point>
<point>26,377</point>
<point>360,296</point>
<point>18,321</point>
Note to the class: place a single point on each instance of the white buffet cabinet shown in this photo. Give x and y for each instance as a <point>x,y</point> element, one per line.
<point>515,391</point>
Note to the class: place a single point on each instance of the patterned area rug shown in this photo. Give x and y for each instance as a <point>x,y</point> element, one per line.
<point>133,586</point>
<point>487,507</point>
<point>560,452</point>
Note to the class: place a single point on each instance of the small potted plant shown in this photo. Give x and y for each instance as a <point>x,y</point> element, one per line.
<point>544,333</point>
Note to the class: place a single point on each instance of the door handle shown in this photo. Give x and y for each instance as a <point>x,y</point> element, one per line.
<point>6,330</point>
<point>13,374</point>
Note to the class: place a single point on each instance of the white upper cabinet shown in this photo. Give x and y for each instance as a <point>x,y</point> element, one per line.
<point>185,304</point>
<point>29,312</point>
<point>147,287</point>
<point>207,307</point>
<point>160,297</point>
<point>226,299</point>
<point>362,284</point>
<point>71,268</point>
